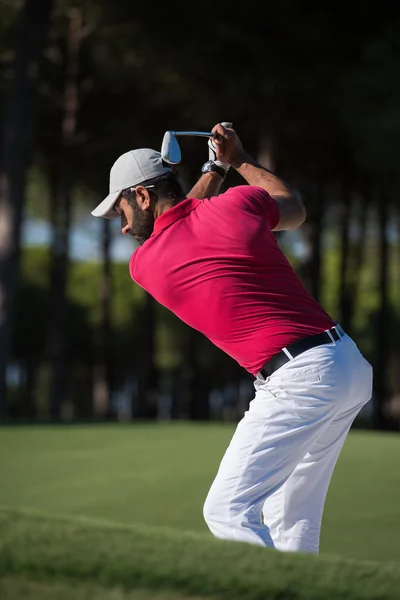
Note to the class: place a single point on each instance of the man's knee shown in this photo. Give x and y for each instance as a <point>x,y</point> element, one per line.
<point>217,518</point>
<point>232,521</point>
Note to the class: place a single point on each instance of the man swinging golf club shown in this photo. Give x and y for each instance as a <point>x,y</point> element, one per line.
<point>214,262</point>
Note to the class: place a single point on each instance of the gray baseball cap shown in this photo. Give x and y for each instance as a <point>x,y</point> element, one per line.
<point>130,169</point>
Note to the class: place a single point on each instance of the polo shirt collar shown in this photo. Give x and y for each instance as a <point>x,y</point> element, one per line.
<point>175,213</point>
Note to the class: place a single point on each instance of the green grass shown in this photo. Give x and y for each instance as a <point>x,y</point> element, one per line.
<point>114,512</point>
<point>77,553</point>
<point>159,475</point>
<point>12,588</point>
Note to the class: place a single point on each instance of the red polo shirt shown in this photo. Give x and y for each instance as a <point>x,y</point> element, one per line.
<point>216,264</point>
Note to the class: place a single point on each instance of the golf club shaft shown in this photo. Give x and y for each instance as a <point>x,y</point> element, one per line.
<point>195,133</point>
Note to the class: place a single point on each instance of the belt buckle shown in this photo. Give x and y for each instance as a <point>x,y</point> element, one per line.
<point>329,332</point>
<point>338,330</point>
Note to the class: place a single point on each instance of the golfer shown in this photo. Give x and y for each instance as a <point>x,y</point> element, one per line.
<point>214,262</point>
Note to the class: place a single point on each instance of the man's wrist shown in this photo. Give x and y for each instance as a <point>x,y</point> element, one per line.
<point>222,165</point>
<point>213,175</point>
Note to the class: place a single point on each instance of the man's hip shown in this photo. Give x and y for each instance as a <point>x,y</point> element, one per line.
<point>291,352</point>
<point>335,371</point>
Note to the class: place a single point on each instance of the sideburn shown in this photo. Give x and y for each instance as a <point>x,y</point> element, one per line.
<point>143,224</point>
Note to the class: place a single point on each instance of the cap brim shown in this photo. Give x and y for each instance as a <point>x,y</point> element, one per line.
<point>105,209</point>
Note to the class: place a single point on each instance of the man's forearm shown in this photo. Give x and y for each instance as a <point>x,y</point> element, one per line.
<point>207,186</point>
<point>291,209</point>
<point>256,174</point>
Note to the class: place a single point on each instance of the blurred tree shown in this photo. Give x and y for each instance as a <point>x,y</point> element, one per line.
<point>384,322</point>
<point>147,372</point>
<point>369,99</point>
<point>344,288</point>
<point>15,157</point>
<point>103,369</point>
<point>313,230</point>
<point>63,178</point>
<point>28,350</point>
<point>304,87</point>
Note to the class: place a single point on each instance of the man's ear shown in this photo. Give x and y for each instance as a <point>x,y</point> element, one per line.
<point>143,197</point>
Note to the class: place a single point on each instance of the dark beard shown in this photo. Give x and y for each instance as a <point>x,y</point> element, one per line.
<point>143,224</point>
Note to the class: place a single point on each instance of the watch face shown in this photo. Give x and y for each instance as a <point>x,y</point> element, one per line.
<point>210,166</point>
<point>207,166</point>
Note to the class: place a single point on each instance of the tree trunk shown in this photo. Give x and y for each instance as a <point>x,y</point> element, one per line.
<point>265,155</point>
<point>57,330</point>
<point>147,376</point>
<point>16,153</point>
<point>344,288</point>
<point>381,420</point>
<point>359,251</point>
<point>27,402</point>
<point>316,243</point>
<point>311,272</point>
<point>103,367</point>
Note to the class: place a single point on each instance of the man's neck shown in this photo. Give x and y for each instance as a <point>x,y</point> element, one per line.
<point>162,207</point>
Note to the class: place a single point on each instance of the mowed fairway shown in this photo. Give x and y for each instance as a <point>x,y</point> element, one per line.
<point>159,475</point>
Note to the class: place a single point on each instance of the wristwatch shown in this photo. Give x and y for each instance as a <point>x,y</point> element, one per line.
<point>211,166</point>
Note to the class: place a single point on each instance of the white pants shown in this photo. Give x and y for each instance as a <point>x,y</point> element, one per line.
<point>272,482</point>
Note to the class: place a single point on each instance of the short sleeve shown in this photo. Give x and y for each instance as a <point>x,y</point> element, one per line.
<point>252,199</point>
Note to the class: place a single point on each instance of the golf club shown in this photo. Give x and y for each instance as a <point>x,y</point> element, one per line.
<point>170,149</point>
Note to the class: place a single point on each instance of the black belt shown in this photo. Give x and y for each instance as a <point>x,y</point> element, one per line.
<point>280,359</point>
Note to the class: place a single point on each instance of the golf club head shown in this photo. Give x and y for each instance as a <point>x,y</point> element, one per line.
<point>170,150</point>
